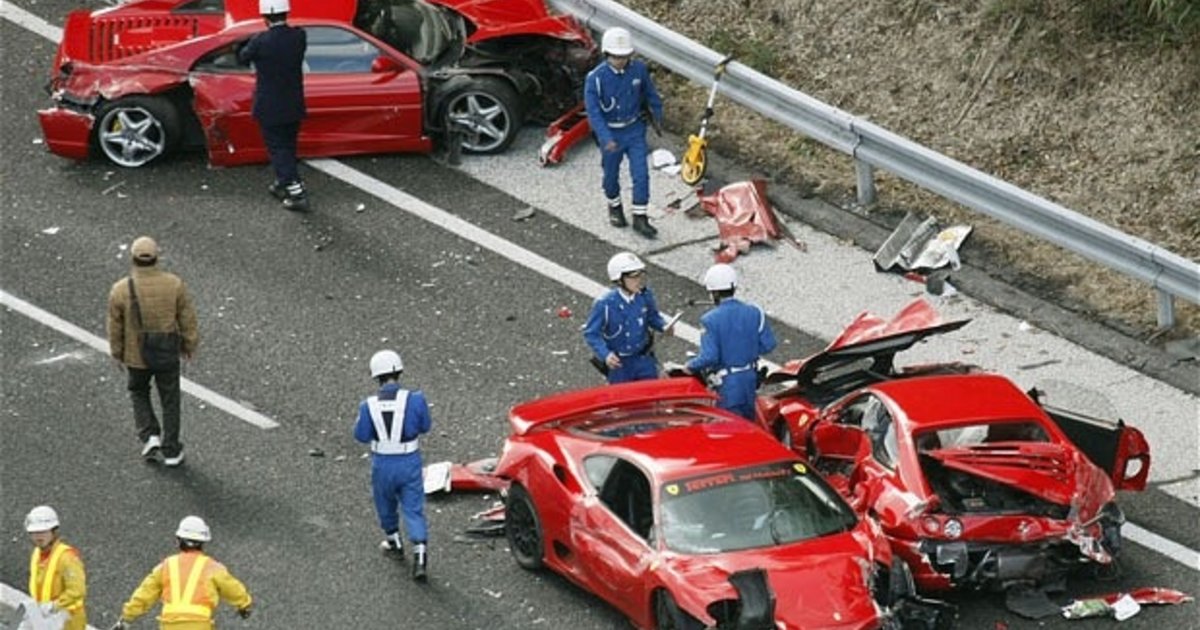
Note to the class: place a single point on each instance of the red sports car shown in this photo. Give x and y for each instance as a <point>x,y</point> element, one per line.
<point>975,482</point>
<point>140,80</point>
<point>681,515</point>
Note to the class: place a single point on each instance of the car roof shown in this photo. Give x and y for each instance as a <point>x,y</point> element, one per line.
<point>566,408</point>
<point>957,399</point>
<point>709,444</point>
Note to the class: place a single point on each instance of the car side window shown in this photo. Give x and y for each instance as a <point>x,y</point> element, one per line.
<point>224,60</point>
<point>626,491</point>
<point>869,413</point>
<point>337,50</point>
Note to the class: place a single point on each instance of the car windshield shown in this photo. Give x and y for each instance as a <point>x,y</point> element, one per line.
<point>747,508</point>
<point>414,27</point>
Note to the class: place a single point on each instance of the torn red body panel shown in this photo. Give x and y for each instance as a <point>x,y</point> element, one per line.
<point>650,497</point>
<point>562,134</point>
<point>976,483</point>
<point>744,217</point>
<point>153,76</point>
<point>1149,595</point>
<point>476,476</point>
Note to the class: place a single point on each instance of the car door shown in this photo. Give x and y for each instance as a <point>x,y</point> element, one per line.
<point>359,99</point>
<point>611,536</point>
<point>1118,449</point>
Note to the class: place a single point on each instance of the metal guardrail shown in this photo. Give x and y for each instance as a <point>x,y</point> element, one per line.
<point>872,146</point>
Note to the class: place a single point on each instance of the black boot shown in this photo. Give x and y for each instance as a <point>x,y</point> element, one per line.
<point>641,225</point>
<point>297,197</point>
<point>393,546</point>
<point>420,562</point>
<point>278,190</point>
<point>616,216</point>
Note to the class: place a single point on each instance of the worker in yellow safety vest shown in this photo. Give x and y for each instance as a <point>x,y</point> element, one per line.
<point>189,583</point>
<point>56,577</point>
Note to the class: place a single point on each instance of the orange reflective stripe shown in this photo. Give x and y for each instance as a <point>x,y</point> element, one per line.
<point>184,603</point>
<point>42,592</point>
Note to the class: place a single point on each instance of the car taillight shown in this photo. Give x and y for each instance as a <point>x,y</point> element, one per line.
<point>953,528</point>
<point>931,525</point>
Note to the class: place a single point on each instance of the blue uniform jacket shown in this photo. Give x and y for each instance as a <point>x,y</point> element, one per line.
<point>620,326</point>
<point>735,335</point>
<point>612,97</point>
<point>278,57</point>
<point>416,419</point>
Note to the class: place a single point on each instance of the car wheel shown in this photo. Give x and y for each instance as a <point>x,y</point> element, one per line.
<point>668,616</point>
<point>138,130</point>
<point>485,113</point>
<point>523,529</point>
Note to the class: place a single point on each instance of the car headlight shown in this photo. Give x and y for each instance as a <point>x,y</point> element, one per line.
<point>953,528</point>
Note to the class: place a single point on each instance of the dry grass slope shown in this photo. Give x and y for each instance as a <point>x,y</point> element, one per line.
<point>1060,97</point>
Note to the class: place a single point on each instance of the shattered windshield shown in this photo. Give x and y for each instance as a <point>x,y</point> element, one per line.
<point>763,506</point>
<point>414,27</point>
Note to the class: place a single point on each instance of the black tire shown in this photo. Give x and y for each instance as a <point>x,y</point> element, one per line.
<point>668,616</point>
<point>524,529</point>
<point>485,112</point>
<point>137,130</point>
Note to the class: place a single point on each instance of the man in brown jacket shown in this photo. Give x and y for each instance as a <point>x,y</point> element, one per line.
<point>165,307</point>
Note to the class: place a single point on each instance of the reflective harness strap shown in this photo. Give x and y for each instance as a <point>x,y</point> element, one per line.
<point>182,603</point>
<point>389,443</point>
<point>41,592</point>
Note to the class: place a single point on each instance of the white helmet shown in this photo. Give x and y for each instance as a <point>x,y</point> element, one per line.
<point>622,264</point>
<point>193,528</point>
<point>270,7</point>
<point>720,277</point>
<point>386,362</point>
<point>616,41</point>
<point>42,518</point>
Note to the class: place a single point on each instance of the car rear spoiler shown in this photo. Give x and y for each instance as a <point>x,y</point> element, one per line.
<point>528,416</point>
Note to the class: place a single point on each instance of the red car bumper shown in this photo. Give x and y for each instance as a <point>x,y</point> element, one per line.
<point>67,133</point>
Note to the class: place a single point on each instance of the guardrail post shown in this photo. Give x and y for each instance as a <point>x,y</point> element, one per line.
<point>1166,310</point>
<point>866,182</point>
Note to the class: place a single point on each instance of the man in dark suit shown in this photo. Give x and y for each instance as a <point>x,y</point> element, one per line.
<point>278,57</point>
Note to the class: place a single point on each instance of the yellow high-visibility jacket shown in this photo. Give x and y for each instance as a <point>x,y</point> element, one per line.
<point>190,585</point>
<point>58,576</point>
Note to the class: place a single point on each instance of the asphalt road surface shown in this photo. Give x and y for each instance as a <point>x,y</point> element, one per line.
<point>291,306</point>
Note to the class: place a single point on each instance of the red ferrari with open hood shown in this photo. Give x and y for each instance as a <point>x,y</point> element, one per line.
<point>974,481</point>
<point>683,516</point>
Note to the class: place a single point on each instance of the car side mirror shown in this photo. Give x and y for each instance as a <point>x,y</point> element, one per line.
<point>384,65</point>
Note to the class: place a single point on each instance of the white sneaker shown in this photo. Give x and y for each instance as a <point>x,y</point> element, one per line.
<point>151,447</point>
<point>174,461</point>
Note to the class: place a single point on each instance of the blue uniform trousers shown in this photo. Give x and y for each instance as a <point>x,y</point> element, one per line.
<point>635,368</point>
<point>396,480</point>
<point>281,148</point>
<point>631,143</point>
<point>737,393</point>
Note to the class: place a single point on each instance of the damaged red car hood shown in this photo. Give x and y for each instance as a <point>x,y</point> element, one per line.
<point>817,584</point>
<point>871,335</point>
<point>1048,471</point>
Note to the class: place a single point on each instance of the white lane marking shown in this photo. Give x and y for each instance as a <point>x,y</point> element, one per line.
<point>526,258</point>
<point>101,345</point>
<point>29,21</point>
<point>1189,558</point>
<point>477,235</point>
<point>12,598</point>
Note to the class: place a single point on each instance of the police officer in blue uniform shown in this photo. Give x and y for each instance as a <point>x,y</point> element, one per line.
<point>735,334</point>
<point>616,94</point>
<point>618,328</point>
<point>391,422</point>
<point>278,58</point>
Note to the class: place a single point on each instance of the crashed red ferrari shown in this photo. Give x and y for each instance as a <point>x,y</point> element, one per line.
<point>975,482</point>
<point>138,81</point>
<point>683,516</point>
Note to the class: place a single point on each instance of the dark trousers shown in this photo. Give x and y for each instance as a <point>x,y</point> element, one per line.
<point>144,419</point>
<point>281,148</point>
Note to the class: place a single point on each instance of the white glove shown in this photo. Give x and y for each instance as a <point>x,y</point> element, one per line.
<point>48,608</point>
<point>120,625</point>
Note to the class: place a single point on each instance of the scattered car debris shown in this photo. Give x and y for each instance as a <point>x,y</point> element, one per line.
<point>524,214</point>
<point>1124,605</point>
<point>663,159</point>
<point>562,134</point>
<point>51,230</point>
<point>316,452</point>
<point>918,245</point>
<point>437,477</point>
<point>744,217</point>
